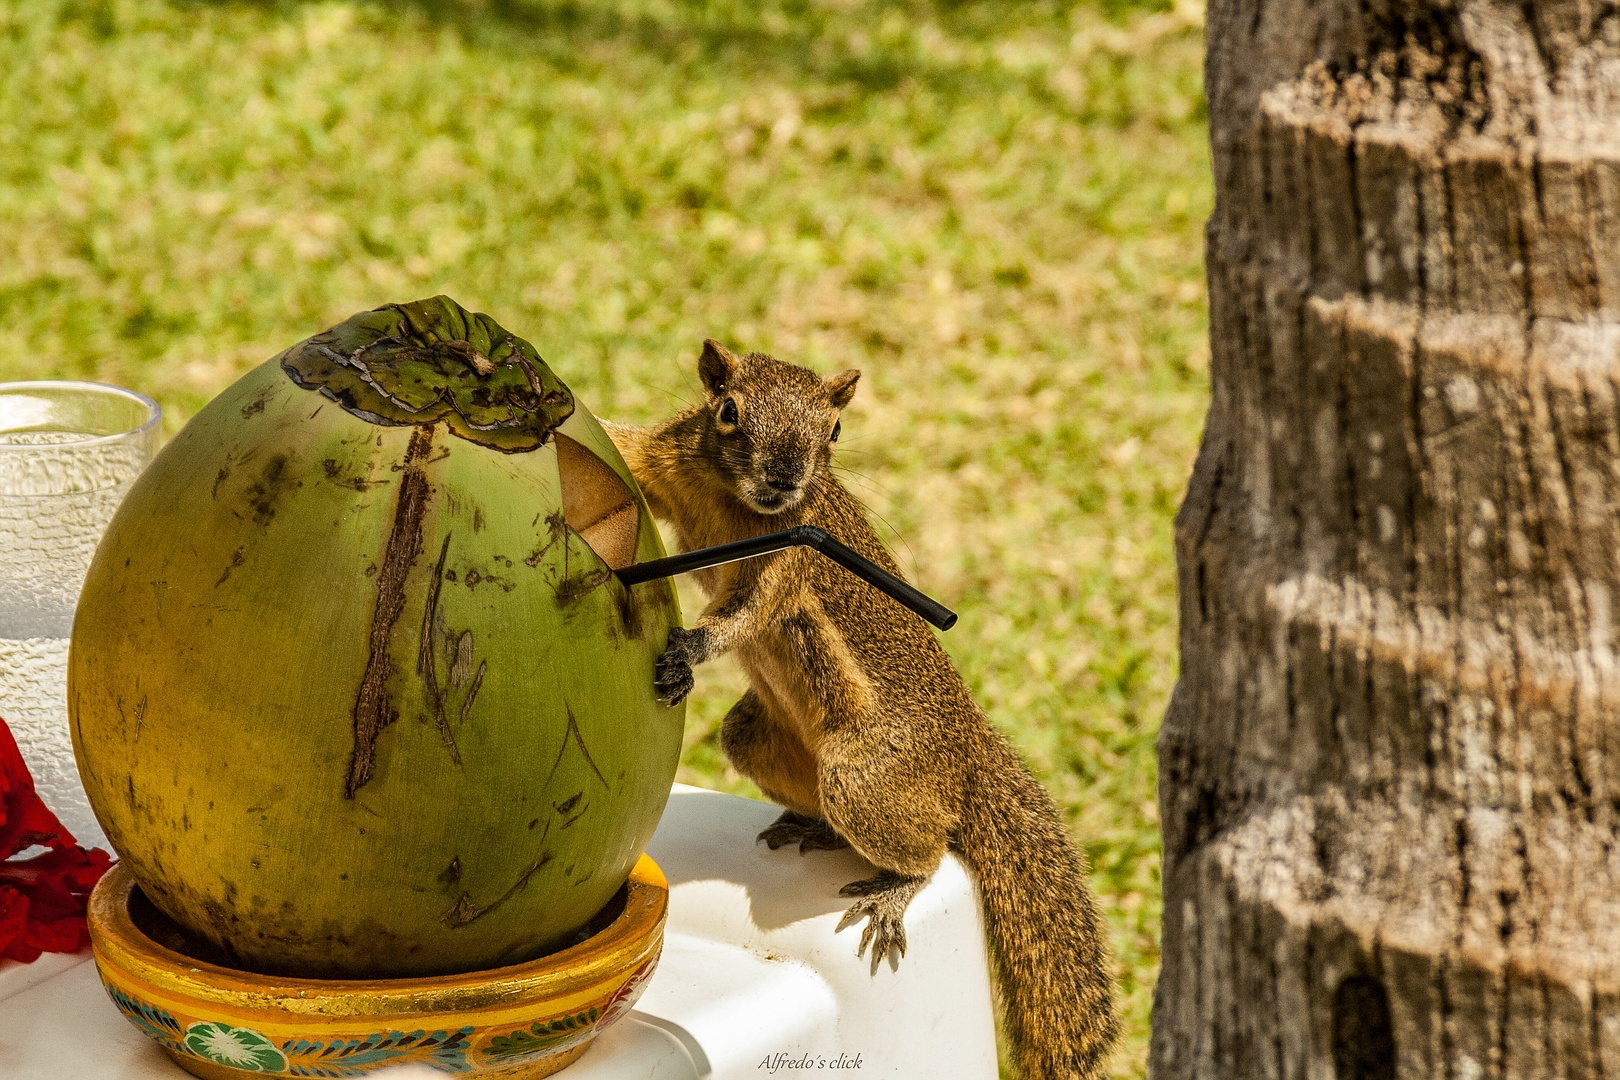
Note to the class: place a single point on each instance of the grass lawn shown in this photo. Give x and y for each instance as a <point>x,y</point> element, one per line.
<point>993,209</point>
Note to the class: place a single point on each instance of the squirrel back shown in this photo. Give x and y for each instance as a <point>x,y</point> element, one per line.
<point>856,719</point>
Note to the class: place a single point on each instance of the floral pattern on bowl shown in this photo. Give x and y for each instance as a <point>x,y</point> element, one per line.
<point>515,1023</point>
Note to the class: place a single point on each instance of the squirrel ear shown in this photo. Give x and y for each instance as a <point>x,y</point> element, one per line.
<point>715,367</point>
<point>842,387</point>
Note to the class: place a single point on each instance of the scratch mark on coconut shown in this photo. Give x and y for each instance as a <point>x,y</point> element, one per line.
<point>236,560</point>
<point>272,481</point>
<point>557,527</point>
<point>633,601</point>
<point>78,723</point>
<point>478,681</point>
<point>333,473</point>
<point>573,729</point>
<point>461,669</point>
<point>474,578</point>
<point>442,455</point>
<point>466,910</point>
<point>256,406</point>
<point>567,811</point>
<point>424,657</point>
<point>452,873</point>
<point>371,711</point>
<point>572,590</point>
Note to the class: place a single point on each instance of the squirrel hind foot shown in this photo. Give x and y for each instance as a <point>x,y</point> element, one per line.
<point>883,902</point>
<point>811,834</point>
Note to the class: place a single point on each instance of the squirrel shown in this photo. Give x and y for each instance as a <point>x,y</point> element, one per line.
<point>856,721</point>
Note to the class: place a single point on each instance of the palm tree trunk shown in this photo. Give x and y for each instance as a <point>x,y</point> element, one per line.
<point>1390,772</point>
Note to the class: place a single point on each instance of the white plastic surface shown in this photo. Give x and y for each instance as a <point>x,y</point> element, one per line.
<point>753,981</point>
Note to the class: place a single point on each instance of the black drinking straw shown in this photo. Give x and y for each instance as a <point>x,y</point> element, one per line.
<point>801,536</point>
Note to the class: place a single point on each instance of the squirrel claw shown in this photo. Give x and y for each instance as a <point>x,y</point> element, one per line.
<point>672,679</point>
<point>883,901</point>
<point>811,834</point>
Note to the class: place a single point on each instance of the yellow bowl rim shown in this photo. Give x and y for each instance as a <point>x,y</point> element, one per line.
<point>615,950</point>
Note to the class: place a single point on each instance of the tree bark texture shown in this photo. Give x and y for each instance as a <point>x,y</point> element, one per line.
<point>1390,772</point>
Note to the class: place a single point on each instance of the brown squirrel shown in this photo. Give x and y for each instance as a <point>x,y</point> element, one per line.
<point>856,721</point>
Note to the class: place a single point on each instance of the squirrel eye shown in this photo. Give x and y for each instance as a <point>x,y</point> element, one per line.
<point>837,424</point>
<point>728,411</point>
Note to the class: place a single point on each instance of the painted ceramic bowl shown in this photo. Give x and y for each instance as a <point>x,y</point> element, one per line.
<point>527,1020</point>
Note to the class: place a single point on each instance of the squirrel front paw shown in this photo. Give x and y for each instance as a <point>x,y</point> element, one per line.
<point>672,675</point>
<point>673,680</point>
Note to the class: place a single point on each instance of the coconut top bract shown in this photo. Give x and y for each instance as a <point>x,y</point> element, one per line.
<point>432,360</point>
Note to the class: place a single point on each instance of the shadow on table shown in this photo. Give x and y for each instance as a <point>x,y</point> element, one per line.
<point>707,836</point>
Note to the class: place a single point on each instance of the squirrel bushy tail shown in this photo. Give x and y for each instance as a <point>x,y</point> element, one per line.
<point>1045,934</point>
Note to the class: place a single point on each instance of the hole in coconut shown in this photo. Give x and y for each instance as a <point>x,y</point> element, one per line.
<point>597,505</point>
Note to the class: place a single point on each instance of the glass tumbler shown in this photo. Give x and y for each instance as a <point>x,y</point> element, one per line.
<point>68,453</point>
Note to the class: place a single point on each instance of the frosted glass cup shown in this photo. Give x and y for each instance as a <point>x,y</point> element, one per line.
<point>68,453</point>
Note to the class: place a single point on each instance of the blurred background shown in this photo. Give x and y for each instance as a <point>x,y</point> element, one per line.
<point>993,208</point>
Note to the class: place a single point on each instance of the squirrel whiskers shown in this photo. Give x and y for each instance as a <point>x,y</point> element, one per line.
<point>855,719</point>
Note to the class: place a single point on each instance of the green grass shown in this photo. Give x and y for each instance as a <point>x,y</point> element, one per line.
<point>994,209</point>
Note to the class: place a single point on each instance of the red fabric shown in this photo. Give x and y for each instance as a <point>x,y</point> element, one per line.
<point>42,898</point>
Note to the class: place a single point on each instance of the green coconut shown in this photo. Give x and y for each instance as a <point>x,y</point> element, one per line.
<point>354,689</point>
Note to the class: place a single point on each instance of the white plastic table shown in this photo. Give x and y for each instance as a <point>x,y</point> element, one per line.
<point>753,981</point>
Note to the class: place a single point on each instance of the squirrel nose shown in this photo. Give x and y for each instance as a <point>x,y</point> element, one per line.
<point>780,468</point>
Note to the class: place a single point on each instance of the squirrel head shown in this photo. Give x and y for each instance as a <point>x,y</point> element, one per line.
<point>771,426</point>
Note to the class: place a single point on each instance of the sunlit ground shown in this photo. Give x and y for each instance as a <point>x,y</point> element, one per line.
<point>993,209</point>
